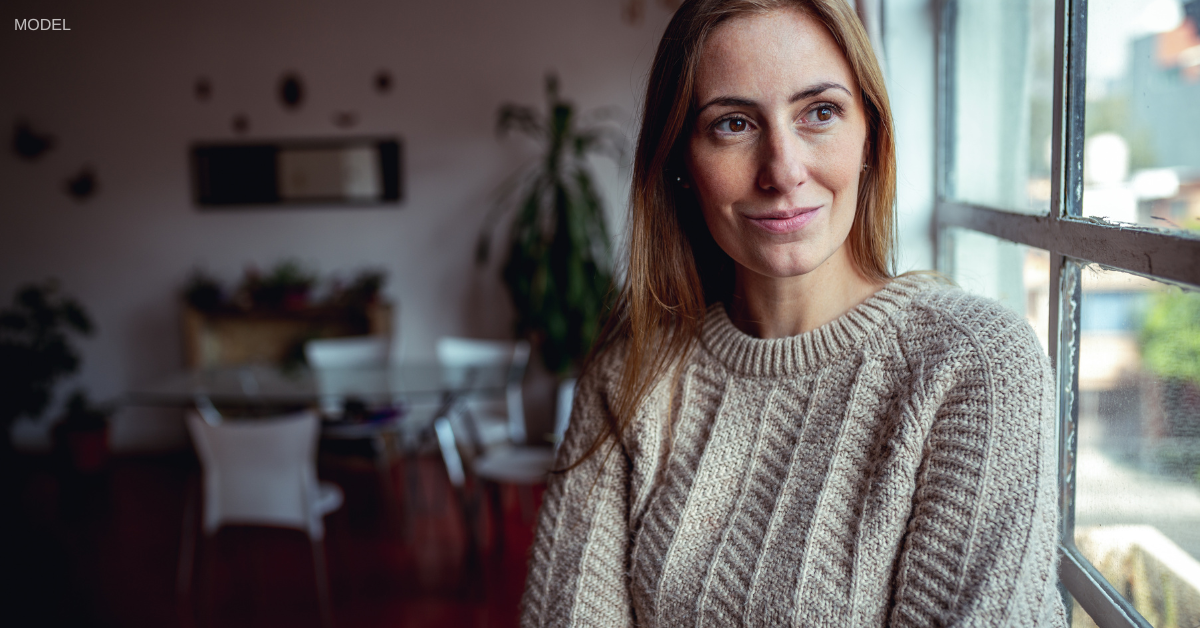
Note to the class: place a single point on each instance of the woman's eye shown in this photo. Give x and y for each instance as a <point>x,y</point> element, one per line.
<point>733,125</point>
<point>823,113</point>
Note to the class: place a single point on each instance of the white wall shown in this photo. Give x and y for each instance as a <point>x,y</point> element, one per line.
<point>116,91</point>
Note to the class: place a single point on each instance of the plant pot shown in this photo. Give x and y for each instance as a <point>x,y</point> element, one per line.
<point>89,450</point>
<point>82,449</point>
<point>295,299</point>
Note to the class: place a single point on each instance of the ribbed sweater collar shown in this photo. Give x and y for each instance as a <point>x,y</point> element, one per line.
<point>747,355</point>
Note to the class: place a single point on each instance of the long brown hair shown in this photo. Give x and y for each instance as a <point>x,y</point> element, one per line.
<point>675,269</point>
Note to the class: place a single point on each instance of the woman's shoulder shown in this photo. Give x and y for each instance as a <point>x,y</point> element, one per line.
<point>983,351</point>
<point>602,371</point>
<point>600,388</point>
<point>597,390</point>
<point>943,318</point>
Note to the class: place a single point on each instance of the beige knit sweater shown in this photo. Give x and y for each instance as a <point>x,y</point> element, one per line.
<point>894,467</point>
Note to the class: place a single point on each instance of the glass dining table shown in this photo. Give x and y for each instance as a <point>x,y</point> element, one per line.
<point>267,386</point>
<point>247,391</point>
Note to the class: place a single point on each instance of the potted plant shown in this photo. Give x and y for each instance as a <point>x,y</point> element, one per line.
<point>35,352</point>
<point>559,265</point>
<point>286,287</point>
<point>363,290</point>
<point>202,292</point>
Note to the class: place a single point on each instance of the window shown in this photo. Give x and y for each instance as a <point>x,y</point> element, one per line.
<point>1068,188</point>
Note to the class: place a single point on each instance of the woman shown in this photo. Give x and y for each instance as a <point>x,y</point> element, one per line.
<point>777,432</point>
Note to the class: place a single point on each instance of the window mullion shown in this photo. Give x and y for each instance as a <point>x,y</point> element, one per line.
<point>1066,292</point>
<point>1156,254</point>
<point>1070,106</point>
<point>944,126</point>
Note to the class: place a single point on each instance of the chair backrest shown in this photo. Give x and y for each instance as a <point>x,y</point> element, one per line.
<point>465,352</point>
<point>334,360</point>
<point>259,471</point>
<point>352,352</point>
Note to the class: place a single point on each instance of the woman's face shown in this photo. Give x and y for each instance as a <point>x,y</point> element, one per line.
<point>778,146</point>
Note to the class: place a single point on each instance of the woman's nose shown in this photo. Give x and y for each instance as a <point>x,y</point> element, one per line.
<point>783,164</point>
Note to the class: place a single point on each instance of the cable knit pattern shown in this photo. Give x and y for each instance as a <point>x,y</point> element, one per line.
<point>894,467</point>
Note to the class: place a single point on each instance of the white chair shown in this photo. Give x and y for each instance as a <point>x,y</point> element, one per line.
<point>524,464</point>
<point>334,362</point>
<point>479,427</point>
<point>501,456</point>
<point>501,461</point>
<point>490,423</point>
<point>348,352</point>
<point>262,472</point>
<point>344,367</point>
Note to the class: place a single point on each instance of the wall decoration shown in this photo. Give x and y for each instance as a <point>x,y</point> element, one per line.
<point>202,89</point>
<point>345,119</point>
<point>241,124</point>
<point>291,91</point>
<point>83,185</point>
<point>383,81</point>
<point>28,143</point>
<point>344,171</point>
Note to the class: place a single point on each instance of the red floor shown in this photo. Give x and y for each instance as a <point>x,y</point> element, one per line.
<point>103,551</point>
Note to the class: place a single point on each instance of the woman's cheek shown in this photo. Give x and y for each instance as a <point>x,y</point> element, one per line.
<point>719,177</point>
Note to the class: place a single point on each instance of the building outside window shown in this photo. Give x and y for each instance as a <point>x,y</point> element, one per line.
<point>1069,189</point>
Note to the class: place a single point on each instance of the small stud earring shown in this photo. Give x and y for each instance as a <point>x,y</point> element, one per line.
<point>681,182</point>
<point>866,167</point>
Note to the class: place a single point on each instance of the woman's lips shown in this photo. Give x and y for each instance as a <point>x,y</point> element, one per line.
<point>785,221</point>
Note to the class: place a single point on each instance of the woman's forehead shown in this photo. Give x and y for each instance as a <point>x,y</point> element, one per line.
<point>770,55</point>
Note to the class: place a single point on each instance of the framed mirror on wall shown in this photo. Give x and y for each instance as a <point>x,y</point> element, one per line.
<point>340,172</point>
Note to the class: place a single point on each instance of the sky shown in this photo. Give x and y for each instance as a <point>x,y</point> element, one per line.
<point>1112,24</point>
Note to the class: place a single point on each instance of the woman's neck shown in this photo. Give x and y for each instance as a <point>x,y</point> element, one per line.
<point>774,307</point>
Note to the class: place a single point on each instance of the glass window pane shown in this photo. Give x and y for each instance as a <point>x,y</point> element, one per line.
<point>1013,274</point>
<point>1137,508</point>
<point>1142,153</point>
<point>1003,78</point>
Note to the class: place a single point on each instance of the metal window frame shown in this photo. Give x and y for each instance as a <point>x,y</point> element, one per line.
<point>1073,242</point>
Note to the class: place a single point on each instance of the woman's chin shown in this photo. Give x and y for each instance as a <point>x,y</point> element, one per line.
<point>783,268</point>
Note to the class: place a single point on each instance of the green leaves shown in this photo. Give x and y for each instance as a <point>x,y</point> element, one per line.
<point>1171,335</point>
<point>559,266</point>
<point>35,348</point>
<point>518,118</point>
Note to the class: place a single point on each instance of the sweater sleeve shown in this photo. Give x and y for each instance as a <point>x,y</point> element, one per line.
<point>981,545</point>
<point>578,562</point>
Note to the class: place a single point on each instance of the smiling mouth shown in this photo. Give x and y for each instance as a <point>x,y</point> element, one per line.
<point>785,221</point>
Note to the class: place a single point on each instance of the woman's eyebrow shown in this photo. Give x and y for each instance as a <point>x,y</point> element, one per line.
<point>727,101</point>
<point>817,89</point>
<point>808,92</point>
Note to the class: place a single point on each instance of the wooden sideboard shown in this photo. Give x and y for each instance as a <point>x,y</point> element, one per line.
<point>230,336</point>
